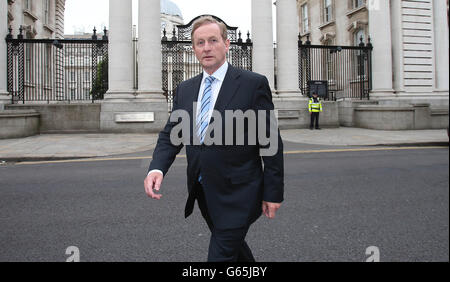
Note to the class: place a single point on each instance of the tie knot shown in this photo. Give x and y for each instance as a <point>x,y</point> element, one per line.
<point>210,79</point>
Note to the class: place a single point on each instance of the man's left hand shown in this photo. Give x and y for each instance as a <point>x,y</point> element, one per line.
<point>269,209</point>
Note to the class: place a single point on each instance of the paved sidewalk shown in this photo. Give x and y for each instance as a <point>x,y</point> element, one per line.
<point>349,136</point>
<point>62,146</point>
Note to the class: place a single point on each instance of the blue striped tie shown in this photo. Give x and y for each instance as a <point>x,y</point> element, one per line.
<point>203,120</point>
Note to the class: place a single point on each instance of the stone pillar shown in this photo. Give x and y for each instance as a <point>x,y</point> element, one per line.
<point>4,96</point>
<point>382,50</point>
<point>441,46</point>
<point>291,107</point>
<point>262,33</point>
<point>150,79</point>
<point>397,47</point>
<point>124,109</point>
<point>287,49</point>
<point>120,51</point>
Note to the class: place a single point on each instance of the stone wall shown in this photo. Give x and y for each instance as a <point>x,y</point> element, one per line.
<point>296,115</point>
<point>392,116</point>
<point>65,118</point>
<point>18,123</point>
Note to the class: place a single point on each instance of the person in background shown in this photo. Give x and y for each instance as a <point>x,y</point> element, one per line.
<point>315,107</point>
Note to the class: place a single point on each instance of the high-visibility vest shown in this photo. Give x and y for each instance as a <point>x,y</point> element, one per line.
<point>315,107</point>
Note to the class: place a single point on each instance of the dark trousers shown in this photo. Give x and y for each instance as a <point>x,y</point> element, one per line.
<point>225,245</point>
<point>314,119</point>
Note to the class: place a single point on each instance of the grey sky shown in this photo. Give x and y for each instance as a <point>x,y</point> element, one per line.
<point>83,15</point>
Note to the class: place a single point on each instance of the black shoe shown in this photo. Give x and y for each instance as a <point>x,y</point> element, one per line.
<point>318,128</point>
<point>310,128</point>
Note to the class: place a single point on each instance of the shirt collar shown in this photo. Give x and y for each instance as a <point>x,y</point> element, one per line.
<point>219,74</point>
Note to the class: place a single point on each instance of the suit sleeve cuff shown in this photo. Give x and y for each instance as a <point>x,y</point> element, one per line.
<point>155,170</point>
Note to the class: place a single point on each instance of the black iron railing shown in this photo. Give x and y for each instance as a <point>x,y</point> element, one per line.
<point>45,70</point>
<point>347,69</point>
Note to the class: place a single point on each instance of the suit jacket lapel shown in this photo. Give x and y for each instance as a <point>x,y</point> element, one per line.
<point>192,95</point>
<point>229,87</point>
<point>194,88</point>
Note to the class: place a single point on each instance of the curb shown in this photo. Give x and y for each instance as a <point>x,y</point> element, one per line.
<point>38,159</point>
<point>42,159</point>
<point>415,144</point>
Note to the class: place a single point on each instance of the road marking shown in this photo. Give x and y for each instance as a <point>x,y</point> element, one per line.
<point>184,156</point>
<point>361,149</point>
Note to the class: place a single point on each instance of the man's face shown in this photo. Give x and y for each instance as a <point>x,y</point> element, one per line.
<point>209,47</point>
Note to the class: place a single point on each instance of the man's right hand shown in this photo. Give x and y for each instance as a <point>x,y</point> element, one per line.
<point>153,181</point>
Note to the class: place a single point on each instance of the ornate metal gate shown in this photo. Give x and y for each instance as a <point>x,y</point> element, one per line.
<point>179,62</point>
<point>49,70</point>
<point>347,69</point>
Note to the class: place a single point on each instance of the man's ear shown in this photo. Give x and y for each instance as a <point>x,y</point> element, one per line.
<point>227,44</point>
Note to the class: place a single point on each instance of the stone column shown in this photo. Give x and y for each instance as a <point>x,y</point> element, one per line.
<point>120,51</point>
<point>287,48</point>
<point>4,96</point>
<point>291,107</point>
<point>441,46</point>
<point>397,47</point>
<point>149,55</point>
<point>262,33</point>
<point>125,109</point>
<point>382,50</point>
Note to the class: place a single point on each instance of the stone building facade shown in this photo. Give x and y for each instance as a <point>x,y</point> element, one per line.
<point>329,22</point>
<point>409,59</point>
<point>41,19</point>
<point>410,56</point>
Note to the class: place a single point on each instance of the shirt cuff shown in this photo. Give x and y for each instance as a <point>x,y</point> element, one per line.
<point>155,170</point>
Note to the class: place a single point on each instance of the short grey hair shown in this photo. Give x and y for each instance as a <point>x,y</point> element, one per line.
<point>207,20</point>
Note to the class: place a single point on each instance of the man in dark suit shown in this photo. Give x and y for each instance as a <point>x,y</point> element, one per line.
<point>229,181</point>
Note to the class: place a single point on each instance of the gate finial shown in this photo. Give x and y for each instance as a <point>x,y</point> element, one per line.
<point>9,35</point>
<point>94,35</point>
<point>105,34</point>
<point>174,37</point>
<point>20,36</point>
<point>248,38</point>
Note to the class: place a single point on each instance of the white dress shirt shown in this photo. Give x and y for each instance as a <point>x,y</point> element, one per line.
<point>219,76</point>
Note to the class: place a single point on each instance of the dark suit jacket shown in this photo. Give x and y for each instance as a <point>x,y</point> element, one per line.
<point>233,178</point>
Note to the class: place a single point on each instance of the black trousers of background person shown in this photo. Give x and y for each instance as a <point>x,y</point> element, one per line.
<point>225,245</point>
<point>314,119</point>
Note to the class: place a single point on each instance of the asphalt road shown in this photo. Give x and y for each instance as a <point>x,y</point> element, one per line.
<point>337,204</point>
